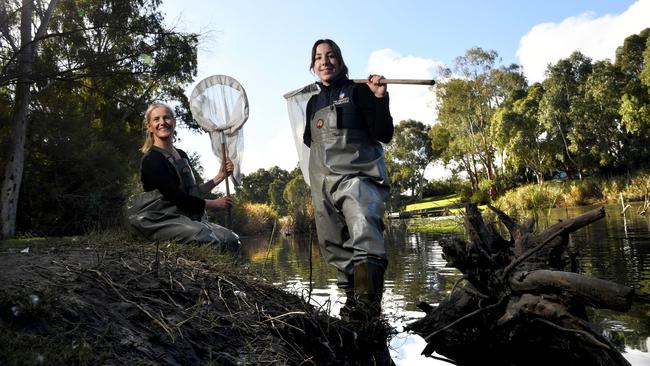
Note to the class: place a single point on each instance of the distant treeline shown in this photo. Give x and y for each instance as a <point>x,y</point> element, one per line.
<point>586,118</point>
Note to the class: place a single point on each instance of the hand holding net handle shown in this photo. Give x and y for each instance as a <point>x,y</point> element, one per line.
<point>224,158</point>
<point>400,81</point>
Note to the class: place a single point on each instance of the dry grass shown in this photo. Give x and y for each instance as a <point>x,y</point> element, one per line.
<point>88,300</point>
<point>576,193</point>
<point>254,218</point>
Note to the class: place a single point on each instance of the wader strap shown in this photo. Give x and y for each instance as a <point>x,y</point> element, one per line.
<point>187,181</point>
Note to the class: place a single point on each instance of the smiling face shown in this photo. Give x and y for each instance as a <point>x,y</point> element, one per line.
<point>325,64</point>
<point>161,124</point>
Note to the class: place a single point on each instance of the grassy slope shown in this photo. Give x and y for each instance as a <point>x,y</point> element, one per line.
<point>445,226</point>
<point>434,202</point>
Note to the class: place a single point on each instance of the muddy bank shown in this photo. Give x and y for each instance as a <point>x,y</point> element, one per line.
<point>82,302</point>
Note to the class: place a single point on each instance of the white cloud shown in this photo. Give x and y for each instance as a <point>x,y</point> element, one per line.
<point>597,38</point>
<point>406,101</point>
<point>279,149</point>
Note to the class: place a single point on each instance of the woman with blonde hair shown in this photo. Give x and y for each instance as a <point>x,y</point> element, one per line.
<point>172,208</point>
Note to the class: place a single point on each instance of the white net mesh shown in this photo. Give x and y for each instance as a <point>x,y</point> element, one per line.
<point>297,105</point>
<point>220,106</point>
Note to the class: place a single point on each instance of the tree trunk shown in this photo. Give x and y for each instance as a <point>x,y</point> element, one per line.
<point>16,161</point>
<point>14,168</point>
<point>518,306</point>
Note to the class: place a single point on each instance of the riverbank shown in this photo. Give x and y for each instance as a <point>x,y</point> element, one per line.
<point>572,193</point>
<point>527,198</point>
<point>110,300</point>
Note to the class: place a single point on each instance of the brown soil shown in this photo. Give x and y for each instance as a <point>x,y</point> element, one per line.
<point>125,305</point>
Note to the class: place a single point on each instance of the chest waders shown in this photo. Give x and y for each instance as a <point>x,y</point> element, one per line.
<point>349,187</point>
<point>160,220</point>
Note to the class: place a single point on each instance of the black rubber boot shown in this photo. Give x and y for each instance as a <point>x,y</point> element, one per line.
<point>349,306</point>
<point>346,283</point>
<point>368,290</point>
<point>365,319</point>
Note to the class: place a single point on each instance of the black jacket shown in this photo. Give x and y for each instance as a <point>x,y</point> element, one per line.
<point>357,107</point>
<point>158,173</point>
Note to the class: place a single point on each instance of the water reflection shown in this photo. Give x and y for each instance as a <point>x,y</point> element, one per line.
<point>616,248</point>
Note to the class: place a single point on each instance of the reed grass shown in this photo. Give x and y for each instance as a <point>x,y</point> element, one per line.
<point>254,218</point>
<point>573,193</point>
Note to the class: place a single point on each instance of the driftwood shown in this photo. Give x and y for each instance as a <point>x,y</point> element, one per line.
<point>519,301</point>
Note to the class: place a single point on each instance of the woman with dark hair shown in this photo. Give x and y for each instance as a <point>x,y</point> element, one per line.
<point>172,207</point>
<point>346,124</point>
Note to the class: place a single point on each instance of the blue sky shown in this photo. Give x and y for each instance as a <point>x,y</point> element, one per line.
<point>266,45</point>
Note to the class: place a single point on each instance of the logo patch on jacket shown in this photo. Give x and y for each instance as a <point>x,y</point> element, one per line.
<point>342,99</point>
<point>320,123</point>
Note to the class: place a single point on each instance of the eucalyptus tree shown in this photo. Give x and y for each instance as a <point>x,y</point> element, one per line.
<point>398,173</point>
<point>297,197</point>
<point>454,113</point>
<point>96,65</point>
<point>633,60</point>
<point>259,187</point>
<point>517,130</point>
<point>277,187</point>
<point>468,98</point>
<point>22,33</point>
<point>410,152</point>
<point>562,86</point>
<point>597,139</point>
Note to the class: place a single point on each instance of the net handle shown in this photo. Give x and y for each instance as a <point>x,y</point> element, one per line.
<point>224,159</point>
<point>399,81</point>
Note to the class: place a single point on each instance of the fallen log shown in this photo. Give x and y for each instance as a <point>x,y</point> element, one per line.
<point>520,301</point>
<point>590,291</point>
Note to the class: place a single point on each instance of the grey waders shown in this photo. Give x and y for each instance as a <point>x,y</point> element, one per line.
<point>160,220</point>
<point>349,187</point>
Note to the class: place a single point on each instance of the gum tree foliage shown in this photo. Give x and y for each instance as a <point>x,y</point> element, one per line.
<point>586,117</point>
<point>96,65</point>
<point>468,99</point>
<point>297,196</point>
<point>633,60</point>
<point>517,131</point>
<point>408,155</point>
<point>597,139</point>
<point>296,193</point>
<point>265,186</point>
<point>562,88</point>
<point>277,188</point>
<point>22,32</point>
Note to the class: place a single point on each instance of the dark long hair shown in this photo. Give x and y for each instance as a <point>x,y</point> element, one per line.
<point>335,50</point>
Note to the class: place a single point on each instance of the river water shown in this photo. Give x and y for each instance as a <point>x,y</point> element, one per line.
<point>616,248</point>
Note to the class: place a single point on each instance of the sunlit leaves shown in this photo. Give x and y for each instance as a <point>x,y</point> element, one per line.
<point>409,153</point>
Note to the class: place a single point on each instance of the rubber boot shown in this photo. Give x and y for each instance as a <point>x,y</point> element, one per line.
<point>368,290</point>
<point>350,300</point>
<point>349,306</point>
<point>366,317</point>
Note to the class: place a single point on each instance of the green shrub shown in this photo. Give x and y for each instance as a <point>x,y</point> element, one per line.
<point>438,188</point>
<point>300,209</point>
